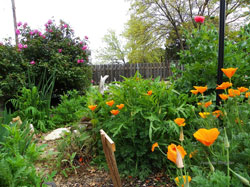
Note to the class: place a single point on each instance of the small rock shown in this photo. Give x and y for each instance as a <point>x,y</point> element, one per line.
<point>56,134</point>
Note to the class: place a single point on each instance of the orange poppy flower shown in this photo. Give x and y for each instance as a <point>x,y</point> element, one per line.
<point>120,106</point>
<point>110,103</point>
<point>80,159</point>
<point>207,104</point>
<point>242,89</point>
<point>149,92</point>
<point>180,122</point>
<point>229,72</point>
<point>224,86</point>
<point>193,153</point>
<point>247,94</point>
<point>92,107</point>
<point>172,153</point>
<point>154,146</point>
<point>114,112</point>
<point>233,93</point>
<point>201,89</point>
<point>206,137</point>
<point>178,179</point>
<point>223,96</point>
<point>204,114</point>
<point>217,113</point>
<point>195,92</point>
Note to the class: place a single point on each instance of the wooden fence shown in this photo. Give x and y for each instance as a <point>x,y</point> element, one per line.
<point>147,70</point>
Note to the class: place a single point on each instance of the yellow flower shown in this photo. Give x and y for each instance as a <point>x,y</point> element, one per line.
<point>206,137</point>
<point>224,86</point>
<point>224,96</point>
<point>114,112</point>
<point>149,92</point>
<point>204,114</point>
<point>242,89</point>
<point>201,89</point>
<point>110,103</point>
<point>195,92</point>
<point>92,107</point>
<point>120,106</point>
<point>180,122</point>
<point>172,153</point>
<point>207,104</point>
<point>229,72</point>
<point>178,179</point>
<point>154,146</point>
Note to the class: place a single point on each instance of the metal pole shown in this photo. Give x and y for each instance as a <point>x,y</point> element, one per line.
<point>221,49</point>
<point>14,18</point>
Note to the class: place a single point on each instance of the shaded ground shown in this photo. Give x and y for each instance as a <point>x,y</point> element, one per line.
<point>87,175</point>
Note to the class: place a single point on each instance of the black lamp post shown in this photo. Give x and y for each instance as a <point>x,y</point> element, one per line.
<point>221,49</point>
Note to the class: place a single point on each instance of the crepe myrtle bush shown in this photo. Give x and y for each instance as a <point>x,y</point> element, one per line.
<point>55,50</point>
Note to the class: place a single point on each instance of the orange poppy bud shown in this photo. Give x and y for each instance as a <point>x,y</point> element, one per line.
<point>110,103</point>
<point>224,86</point>
<point>229,72</point>
<point>178,180</point>
<point>180,121</point>
<point>206,137</point>
<point>247,94</point>
<point>195,92</point>
<point>149,92</point>
<point>204,114</point>
<point>201,89</point>
<point>172,154</point>
<point>217,113</point>
<point>154,146</point>
<point>223,96</point>
<point>120,106</point>
<point>114,112</point>
<point>207,104</point>
<point>242,89</point>
<point>92,107</point>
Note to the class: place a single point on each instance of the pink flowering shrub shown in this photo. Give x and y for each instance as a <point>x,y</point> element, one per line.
<point>53,49</point>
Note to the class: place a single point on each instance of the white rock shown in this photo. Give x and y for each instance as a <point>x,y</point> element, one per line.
<point>56,134</point>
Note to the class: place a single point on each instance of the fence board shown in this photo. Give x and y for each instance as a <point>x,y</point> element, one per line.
<point>147,70</point>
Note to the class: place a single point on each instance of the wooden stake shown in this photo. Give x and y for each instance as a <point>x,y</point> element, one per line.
<point>109,149</point>
<point>14,18</point>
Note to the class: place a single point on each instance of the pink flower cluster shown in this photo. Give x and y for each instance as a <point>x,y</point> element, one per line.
<point>59,50</point>
<point>32,62</point>
<point>80,61</point>
<point>21,46</point>
<point>199,19</point>
<point>84,47</point>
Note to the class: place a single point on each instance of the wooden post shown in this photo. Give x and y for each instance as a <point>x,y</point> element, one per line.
<point>14,18</point>
<point>109,149</point>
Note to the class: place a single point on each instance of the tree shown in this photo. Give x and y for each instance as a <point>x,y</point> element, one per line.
<point>114,50</point>
<point>167,18</point>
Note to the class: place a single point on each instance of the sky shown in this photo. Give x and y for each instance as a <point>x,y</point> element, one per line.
<point>90,18</point>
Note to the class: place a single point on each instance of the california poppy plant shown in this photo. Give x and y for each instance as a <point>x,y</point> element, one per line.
<point>201,89</point>
<point>206,136</point>
<point>223,96</point>
<point>149,92</point>
<point>199,19</point>
<point>247,94</point>
<point>207,104</point>
<point>233,93</point>
<point>229,72</point>
<point>178,179</point>
<point>110,103</point>
<point>120,106</point>
<point>92,107</point>
<point>154,146</point>
<point>114,112</point>
<point>217,113</point>
<point>195,92</point>
<point>180,122</point>
<point>172,152</point>
<point>204,114</point>
<point>242,89</point>
<point>224,86</point>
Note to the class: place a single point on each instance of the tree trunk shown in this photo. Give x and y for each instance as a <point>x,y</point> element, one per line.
<point>14,18</point>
